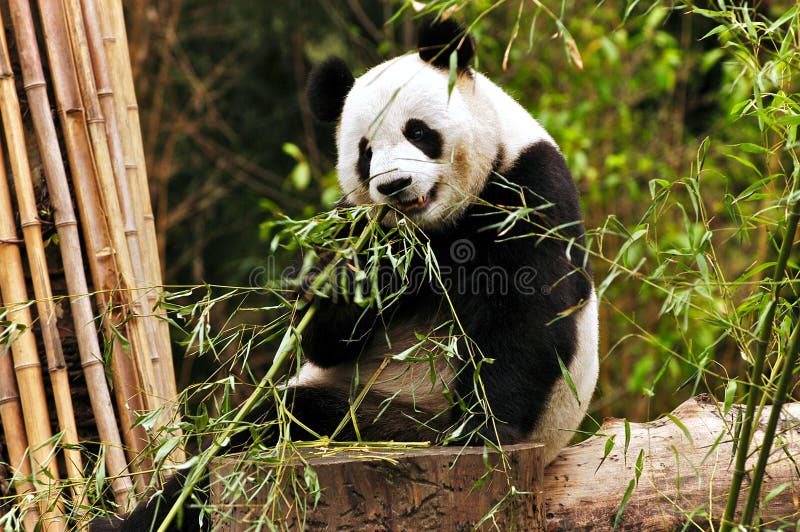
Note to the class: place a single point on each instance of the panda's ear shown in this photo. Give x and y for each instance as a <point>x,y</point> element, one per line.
<point>439,38</point>
<point>327,88</point>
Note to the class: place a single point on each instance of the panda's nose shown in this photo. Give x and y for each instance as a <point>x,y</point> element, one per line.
<point>393,187</point>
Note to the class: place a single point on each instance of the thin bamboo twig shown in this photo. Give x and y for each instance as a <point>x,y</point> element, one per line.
<point>96,123</point>
<point>15,438</point>
<point>100,253</point>
<point>765,333</point>
<point>34,247</point>
<point>66,224</point>
<point>122,78</point>
<point>27,367</point>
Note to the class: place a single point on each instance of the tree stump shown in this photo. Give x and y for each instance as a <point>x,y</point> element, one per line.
<point>446,488</point>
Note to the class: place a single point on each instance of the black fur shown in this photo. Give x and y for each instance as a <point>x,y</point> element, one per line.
<point>428,140</point>
<point>438,39</point>
<point>364,158</point>
<point>328,85</point>
<point>150,513</point>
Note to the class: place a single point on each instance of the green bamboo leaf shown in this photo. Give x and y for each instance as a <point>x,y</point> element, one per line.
<point>568,379</point>
<point>608,448</point>
<point>451,80</point>
<point>681,426</point>
<point>730,394</point>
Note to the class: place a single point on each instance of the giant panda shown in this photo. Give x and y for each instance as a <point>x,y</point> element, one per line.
<point>453,159</point>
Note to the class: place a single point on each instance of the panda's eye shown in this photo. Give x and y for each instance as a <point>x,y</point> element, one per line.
<point>428,140</point>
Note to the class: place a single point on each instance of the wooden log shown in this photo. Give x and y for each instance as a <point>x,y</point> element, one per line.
<point>442,488</point>
<point>687,468</point>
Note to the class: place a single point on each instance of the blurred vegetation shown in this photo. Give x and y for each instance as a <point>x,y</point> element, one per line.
<point>682,182</point>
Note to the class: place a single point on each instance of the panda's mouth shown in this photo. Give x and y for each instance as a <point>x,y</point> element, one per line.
<point>415,204</point>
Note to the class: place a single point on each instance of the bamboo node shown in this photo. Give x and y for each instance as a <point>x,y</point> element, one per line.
<point>58,366</point>
<point>9,399</point>
<point>98,120</point>
<point>27,365</point>
<point>104,252</point>
<point>10,241</point>
<point>30,223</point>
<point>91,363</point>
<point>104,93</point>
<point>34,85</point>
<point>66,223</point>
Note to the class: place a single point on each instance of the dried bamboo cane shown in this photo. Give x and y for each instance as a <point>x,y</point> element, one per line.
<point>34,246</point>
<point>115,133</point>
<point>100,251</point>
<point>27,367</point>
<point>140,346</point>
<point>16,441</point>
<point>66,224</point>
<point>113,21</point>
<point>112,26</point>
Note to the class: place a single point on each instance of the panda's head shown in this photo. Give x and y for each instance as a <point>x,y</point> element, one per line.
<point>406,135</point>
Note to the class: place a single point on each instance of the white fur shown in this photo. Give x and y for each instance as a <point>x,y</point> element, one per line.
<point>563,413</point>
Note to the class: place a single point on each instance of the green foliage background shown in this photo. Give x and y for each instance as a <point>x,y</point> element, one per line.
<point>648,100</point>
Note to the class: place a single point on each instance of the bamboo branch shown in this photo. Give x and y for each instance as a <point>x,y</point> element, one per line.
<point>757,370</point>
<point>66,224</point>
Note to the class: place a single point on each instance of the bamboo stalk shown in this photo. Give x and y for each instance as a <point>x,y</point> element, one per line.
<point>112,26</point>
<point>114,20</point>
<point>66,224</point>
<point>34,246</point>
<point>15,438</point>
<point>765,328</point>
<point>116,131</point>
<point>102,259</point>
<point>96,123</point>
<point>27,367</point>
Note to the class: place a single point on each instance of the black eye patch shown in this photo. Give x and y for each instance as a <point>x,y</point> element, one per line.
<point>364,158</point>
<point>428,140</point>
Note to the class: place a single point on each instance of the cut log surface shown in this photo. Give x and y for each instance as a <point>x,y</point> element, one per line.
<point>686,469</point>
<point>429,489</point>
